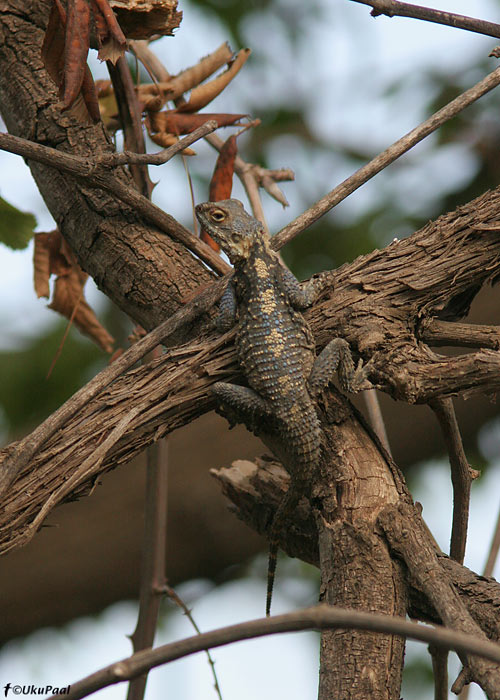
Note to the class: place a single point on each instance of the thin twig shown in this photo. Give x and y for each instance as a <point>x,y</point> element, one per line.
<point>464,676</point>
<point>394,8</point>
<point>319,617</point>
<point>440,670</point>
<point>493,553</point>
<point>153,565</point>
<point>99,177</point>
<point>130,117</point>
<point>169,591</point>
<point>460,475</point>
<point>395,151</point>
<point>26,448</point>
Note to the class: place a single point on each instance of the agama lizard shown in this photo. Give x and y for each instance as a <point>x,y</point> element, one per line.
<point>276,352</point>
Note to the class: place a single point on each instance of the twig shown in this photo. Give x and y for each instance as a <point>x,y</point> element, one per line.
<point>130,117</point>
<point>395,151</point>
<point>97,177</point>
<point>440,670</point>
<point>153,557</point>
<point>318,617</point>
<point>187,612</point>
<point>493,553</point>
<point>393,8</point>
<point>460,475</point>
<point>28,447</point>
<point>464,676</point>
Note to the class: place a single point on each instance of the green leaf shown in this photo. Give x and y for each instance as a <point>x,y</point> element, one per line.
<point>16,227</point>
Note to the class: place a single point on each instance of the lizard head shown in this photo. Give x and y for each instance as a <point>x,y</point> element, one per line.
<point>230,226</point>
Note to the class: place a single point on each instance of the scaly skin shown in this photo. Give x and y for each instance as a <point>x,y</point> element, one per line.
<point>275,350</point>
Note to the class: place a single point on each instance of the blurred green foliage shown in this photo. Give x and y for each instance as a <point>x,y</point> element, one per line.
<point>16,227</point>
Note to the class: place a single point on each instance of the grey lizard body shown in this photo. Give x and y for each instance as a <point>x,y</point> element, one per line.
<point>275,350</point>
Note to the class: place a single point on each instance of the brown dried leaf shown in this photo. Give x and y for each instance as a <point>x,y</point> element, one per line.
<point>52,256</point>
<point>166,140</point>
<point>48,260</point>
<point>174,123</point>
<point>203,94</point>
<point>112,42</point>
<point>194,75</point>
<point>68,294</point>
<point>53,45</point>
<point>221,183</point>
<point>76,49</point>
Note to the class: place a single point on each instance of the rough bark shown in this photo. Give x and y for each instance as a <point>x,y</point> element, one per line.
<point>379,303</point>
<point>357,572</point>
<point>129,259</point>
<point>374,554</point>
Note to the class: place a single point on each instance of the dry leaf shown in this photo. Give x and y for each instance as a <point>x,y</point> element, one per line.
<point>194,75</point>
<point>112,42</point>
<point>52,256</point>
<point>76,48</point>
<point>203,94</point>
<point>221,183</point>
<point>68,294</point>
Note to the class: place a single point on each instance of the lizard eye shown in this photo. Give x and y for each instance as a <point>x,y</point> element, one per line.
<point>217,215</point>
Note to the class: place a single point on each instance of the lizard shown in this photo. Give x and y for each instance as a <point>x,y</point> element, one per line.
<point>276,352</point>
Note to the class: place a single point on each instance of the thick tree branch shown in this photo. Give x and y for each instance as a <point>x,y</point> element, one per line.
<point>379,303</point>
<point>127,256</point>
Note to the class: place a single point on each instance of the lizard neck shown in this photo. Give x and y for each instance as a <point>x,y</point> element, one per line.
<point>259,262</point>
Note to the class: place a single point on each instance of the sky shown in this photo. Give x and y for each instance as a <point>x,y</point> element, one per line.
<point>346,60</point>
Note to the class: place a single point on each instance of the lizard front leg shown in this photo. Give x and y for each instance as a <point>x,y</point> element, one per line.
<point>337,356</point>
<point>226,318</point>
<point>301,296</point>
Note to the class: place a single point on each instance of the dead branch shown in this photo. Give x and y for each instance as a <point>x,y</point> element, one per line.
<point>99,178</point>
<point>409,540</point>
<point>394,8</point>
<point>153,557</point>
<point>461,476</point>
<point>392,153</point>
<point>17,458</point>
<point>319,617</point>
<point>255,490</point>
<point>378,304</point>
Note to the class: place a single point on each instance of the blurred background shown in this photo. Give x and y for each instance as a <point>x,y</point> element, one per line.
<point>333,87</point>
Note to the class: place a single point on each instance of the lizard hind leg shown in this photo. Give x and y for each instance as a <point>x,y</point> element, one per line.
<point>337,356</point>
<point>239,404</point>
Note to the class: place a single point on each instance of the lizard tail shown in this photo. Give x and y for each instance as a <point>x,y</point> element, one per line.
<point>283,512</point>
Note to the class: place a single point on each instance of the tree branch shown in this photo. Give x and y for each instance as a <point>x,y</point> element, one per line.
<point>395,151</point>
<point>18,457</point>
<point>461,476</point>
<point>408,539</point>
<point>97,175</point>
<point>319,617</point>
<point>394,8</point>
